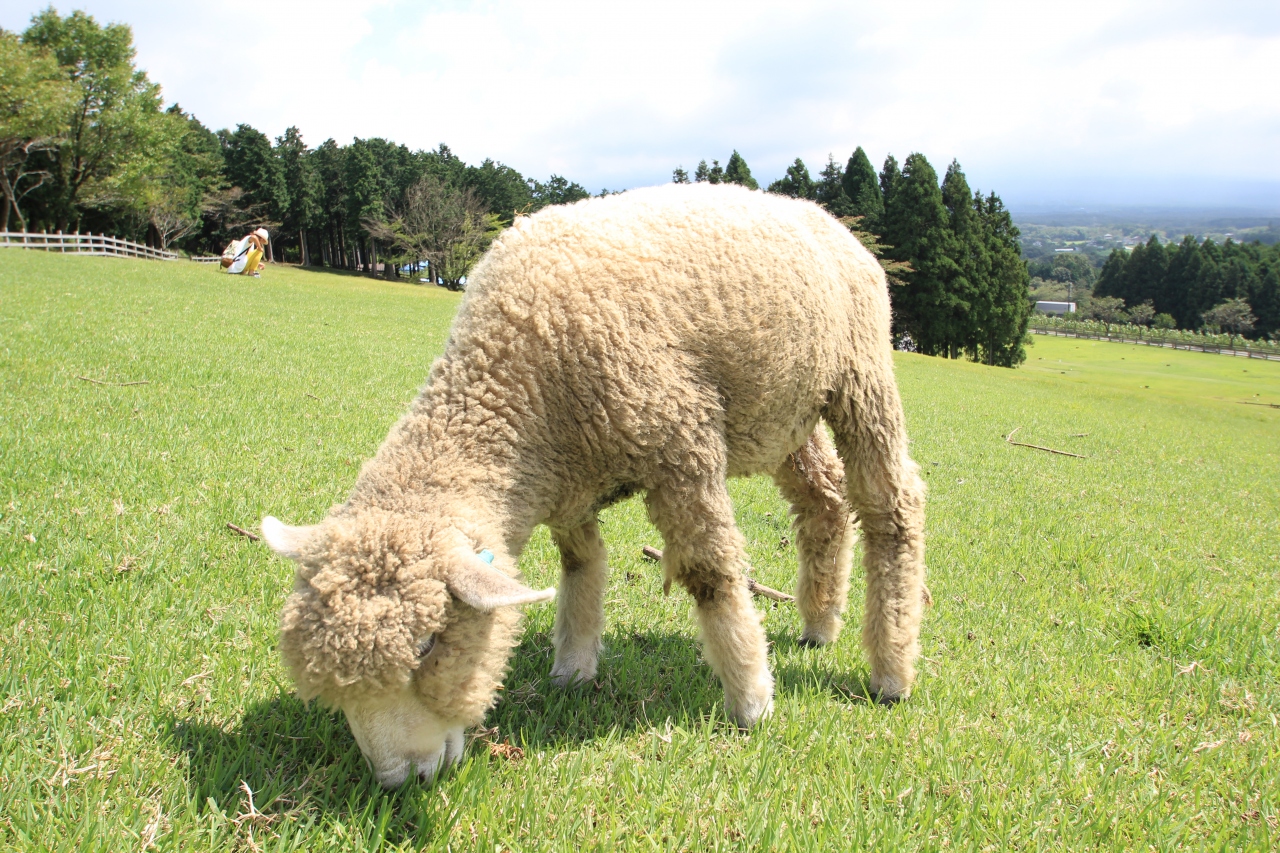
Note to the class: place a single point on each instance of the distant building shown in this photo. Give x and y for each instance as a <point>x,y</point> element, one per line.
<point>1068,249</point>
<point>1056,307</point>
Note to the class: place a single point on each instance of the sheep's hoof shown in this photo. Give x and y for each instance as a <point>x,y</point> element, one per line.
<point>569,672</point>
<point>746,718</point>
<point>820,632</point>
<point>568,679</point>
<point>750,708</point>
<point>889,691</point>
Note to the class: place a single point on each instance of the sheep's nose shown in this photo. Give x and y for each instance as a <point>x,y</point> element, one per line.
<point>394,776</point>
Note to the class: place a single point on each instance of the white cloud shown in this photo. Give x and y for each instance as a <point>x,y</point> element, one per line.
<point>611,94</point>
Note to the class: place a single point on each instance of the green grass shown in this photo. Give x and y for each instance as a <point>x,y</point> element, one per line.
<point>1100,666</point>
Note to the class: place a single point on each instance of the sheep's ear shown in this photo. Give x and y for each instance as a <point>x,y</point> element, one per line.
<point>484,587</point>
<point>285,540</point>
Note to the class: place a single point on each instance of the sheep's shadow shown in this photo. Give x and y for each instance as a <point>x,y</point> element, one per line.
<point>300,759</point>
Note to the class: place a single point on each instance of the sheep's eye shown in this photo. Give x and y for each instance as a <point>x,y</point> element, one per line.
<point>425,647</point>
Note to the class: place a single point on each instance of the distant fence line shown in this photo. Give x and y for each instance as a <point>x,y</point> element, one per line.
<point>1265,352</point>
<point>83,244</point>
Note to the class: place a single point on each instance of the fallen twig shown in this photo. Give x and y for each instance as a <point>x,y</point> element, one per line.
<point>1251,403</point>
<point>1009,438</point>
<point>253,537</point>
<point>765,592</point>
<point>117,384</point>
<point>756,588</point>
<point>312,396</point>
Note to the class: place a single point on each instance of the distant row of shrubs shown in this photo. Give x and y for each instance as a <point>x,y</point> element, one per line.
<point>1152,334</point>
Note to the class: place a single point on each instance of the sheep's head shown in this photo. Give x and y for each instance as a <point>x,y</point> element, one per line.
<point>404,626</point>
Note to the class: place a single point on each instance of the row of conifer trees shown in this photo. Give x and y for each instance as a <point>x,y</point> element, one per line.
<point>1185,280</point>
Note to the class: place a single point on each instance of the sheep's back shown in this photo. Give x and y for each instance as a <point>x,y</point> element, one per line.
<point>654,313</point>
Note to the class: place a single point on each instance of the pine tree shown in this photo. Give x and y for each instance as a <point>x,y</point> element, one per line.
<point>1265,299</point>
<point>252,166</point>
<point>712,175</point>
<point>1002,310</point>
<point>796,183</point>
<point>890,175</point>
<point>680,176</point>
<point>969,252</point>
<point>736,171</point>
<point>1145,273</point>
<point>502,190</point>
<point>1178,294</point>
<point>303,187</point>
<point>917,225</point>
<point>1209,283</point>
<point>1111,281</point>
<point>829,191</point>
<point>863,189</point>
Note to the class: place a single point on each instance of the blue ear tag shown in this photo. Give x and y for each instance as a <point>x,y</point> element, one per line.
<point>487,556</point>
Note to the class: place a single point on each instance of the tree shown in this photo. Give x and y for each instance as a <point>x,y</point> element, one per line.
<point>302,187</point>
<point>796,183</point>
<point>1142,314</point>
<point>557,190</point>
<point>829,191</point>
<point>890,175</point>
<point>1265,299</point>
<point>968,250</point>
<point>330,166</point>
<point>114,104</point>
<point>252,165</point>
<point>862,188</point>
<point>1108,309</point>
<point>917,224</point>
<point>501,189</point>
<point>1232,316</point>
<point>736,171</point>
<point>1001,310</point>
<point>713,175</point>
<point>35,103</point>
<point>445,226</point>
<point>679,176</point>
<point>1111,281</point>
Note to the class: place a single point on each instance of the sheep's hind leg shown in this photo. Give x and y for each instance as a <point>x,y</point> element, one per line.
<point>704,552</point>
<point>584,571</point>
<point>812,480</point>
<point>885,490</point>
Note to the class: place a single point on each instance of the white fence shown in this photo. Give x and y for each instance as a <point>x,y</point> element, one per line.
<point>82,244</point>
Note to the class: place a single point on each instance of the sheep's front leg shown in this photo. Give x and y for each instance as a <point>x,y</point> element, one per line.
<point>704,553</point>
<point>584,571</point>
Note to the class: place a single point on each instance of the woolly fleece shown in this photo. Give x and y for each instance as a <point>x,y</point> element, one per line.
<point>658,341</point>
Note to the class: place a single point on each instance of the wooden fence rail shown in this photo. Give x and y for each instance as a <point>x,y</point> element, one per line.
<point>82,244</point>
<point>1242,350</point>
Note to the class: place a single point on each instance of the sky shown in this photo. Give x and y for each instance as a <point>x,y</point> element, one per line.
<point>1050,105</point>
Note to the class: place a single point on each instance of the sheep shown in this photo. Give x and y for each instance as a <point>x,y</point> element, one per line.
<point>655,342</point>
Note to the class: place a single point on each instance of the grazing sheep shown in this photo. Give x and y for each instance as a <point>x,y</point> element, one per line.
<point>658,341</point>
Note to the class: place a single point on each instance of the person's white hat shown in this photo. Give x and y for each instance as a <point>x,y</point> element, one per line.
<point>262,232</point>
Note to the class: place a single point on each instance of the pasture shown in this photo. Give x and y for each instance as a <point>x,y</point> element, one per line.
<point>1101,665</point>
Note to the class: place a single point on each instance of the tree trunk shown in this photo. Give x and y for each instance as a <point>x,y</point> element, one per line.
<point>302,247</point>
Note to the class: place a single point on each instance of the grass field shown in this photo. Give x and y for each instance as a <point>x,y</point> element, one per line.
<point>1101,664</point>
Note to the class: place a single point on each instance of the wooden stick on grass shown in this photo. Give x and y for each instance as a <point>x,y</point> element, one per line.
<point>253,537</point>
<point>1009,438</point>
<point>117,384</point>
<point>756,588</point>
